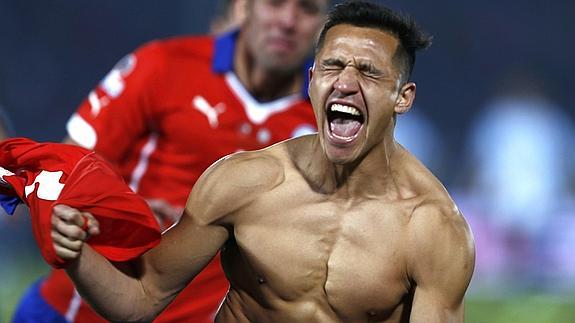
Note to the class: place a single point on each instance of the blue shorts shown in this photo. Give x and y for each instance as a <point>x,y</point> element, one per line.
<point>34,309</point>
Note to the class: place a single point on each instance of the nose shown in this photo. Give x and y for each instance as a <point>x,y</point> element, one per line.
<point>347,82</point>
<point>288,14</point>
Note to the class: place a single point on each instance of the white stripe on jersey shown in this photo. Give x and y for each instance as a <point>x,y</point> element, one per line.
<point>94,103</point>
<point>81,132</point>
<point>258,112</point>
<point>142,165</point>
<point>74,307</point>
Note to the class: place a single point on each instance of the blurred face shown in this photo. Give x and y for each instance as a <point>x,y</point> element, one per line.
<point>280,33</point>
<point>355,90</point>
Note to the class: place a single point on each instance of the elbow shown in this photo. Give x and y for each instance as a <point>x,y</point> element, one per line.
<point>141,317</point>
<point>130,313</point>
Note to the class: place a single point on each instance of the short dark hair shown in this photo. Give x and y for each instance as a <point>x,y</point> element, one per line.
<point>366,14</point>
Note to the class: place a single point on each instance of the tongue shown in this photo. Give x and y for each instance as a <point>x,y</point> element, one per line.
<point>345,127</point>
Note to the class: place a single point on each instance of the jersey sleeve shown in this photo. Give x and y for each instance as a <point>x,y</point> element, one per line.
<point>120,109</point>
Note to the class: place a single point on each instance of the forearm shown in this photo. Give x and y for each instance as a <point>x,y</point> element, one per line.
<point>141,292</point>
<point>117,295</point>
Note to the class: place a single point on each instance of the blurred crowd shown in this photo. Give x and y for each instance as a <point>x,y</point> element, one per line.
<point>514,181</point>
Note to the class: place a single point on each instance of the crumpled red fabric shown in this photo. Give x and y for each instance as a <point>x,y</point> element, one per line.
<point>46,174</point>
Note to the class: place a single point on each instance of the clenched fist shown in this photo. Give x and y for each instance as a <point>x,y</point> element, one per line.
<point>70,229</point>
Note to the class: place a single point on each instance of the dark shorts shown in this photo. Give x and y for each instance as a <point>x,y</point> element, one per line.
<point>34,309</point>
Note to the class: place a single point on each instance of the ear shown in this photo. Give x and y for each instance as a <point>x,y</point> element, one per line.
<point>309,76</point>
<point>405,98</point>
<point>310,72</point>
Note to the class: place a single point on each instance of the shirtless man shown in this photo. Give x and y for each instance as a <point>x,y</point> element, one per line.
<point>341,226</point>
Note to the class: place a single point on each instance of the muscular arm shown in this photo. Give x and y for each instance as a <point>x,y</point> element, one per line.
<point>139,290</point>
<point>440,262</point>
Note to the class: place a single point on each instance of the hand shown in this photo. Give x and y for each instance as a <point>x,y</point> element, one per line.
<point>70,229</point>
<point>165,213</point>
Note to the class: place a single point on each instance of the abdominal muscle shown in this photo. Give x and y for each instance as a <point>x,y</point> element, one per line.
<point>273,283</point>
<point>240,307</point>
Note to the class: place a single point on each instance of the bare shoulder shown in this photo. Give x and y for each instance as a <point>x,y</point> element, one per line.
<point>440,243</point>
<point>439,246</point>
<point>433,210</point>
<point>439,218</point>
<point>233,181</point>
<point>246,169</point>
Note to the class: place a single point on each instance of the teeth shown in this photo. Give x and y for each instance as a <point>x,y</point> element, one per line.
<point>345,109</point>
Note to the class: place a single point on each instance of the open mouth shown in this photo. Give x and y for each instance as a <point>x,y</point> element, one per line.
<point>344,121</point>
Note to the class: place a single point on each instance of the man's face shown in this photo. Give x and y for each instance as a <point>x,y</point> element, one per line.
<point>281,33</point>
<point>355,89</point>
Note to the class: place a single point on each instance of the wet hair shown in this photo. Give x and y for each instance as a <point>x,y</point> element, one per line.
<point>366,14</point>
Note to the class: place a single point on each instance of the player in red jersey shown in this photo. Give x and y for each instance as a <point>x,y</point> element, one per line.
<point>173,107</point>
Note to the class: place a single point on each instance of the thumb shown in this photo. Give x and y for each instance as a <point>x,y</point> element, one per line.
<point>90,224</point>
<point>84,220</point>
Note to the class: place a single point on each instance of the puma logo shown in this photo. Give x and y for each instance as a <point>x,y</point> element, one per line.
<point>211,112</point>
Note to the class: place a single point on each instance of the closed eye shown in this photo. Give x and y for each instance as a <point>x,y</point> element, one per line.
<point>369,70</point>
<point>332,64</point>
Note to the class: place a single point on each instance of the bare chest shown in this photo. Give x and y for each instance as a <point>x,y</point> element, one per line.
<point>346,257</point>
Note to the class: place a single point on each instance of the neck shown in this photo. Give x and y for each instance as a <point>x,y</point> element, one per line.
<point>263,83</point>
<point>369,175</point>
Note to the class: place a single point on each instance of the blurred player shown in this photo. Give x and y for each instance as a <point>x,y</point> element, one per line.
<point>230,14</point>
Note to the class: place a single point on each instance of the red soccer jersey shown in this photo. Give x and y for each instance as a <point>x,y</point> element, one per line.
<point>46,174</point>
<point>163,115</point>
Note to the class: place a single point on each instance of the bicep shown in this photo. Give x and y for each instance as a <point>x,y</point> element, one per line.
<point>440,290</point>
<point>430,306</point>
<point>441,265</point>
<point>186,248</point>
<point>211,211</point>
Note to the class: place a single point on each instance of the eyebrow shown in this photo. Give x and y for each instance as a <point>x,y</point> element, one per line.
<point>361,66</point>
<point>333,62</point>
<point>368,67</point>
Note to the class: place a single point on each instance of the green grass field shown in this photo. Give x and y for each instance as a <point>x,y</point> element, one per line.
<point>14,281</point>
<point>525,308</point>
